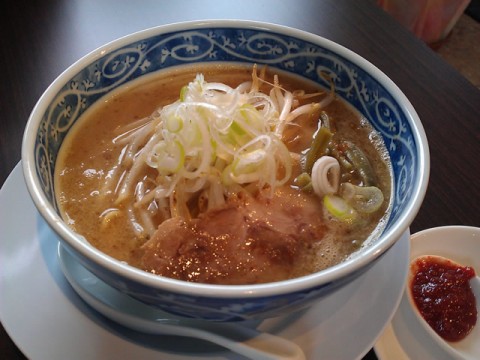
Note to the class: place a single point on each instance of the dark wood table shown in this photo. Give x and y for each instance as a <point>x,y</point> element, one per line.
<point>39,39</point>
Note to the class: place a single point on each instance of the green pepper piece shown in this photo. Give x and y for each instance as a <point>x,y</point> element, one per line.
<point>361,164</point>
<point>318,148</point>
<point>304,182</point>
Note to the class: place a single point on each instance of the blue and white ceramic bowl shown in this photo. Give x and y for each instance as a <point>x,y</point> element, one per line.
<point>357,81</point>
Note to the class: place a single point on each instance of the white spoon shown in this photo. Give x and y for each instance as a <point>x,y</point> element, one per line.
<point>135,315</point>
<point>469,347</point>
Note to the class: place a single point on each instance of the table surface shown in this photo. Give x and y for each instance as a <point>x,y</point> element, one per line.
<point>42,38</point>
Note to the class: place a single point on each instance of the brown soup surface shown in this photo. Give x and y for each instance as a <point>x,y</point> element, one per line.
<point>249,239</point>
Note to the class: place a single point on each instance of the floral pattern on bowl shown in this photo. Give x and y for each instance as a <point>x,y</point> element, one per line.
<point>307,55</point>
<point>287,53</point>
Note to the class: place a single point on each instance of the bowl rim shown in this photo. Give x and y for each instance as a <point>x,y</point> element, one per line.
<point>348,267</point>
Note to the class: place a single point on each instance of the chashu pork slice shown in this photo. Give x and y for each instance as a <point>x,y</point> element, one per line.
<point>249,240</point>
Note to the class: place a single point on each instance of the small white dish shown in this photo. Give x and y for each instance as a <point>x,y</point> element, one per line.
<point>48,320</point>
<point>406,338</point>
<point>469,347</point>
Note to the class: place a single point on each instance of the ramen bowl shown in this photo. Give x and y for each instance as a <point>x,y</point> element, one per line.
<point>120,62</point>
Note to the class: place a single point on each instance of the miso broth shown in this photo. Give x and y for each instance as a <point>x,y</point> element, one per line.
<point>256,236</point>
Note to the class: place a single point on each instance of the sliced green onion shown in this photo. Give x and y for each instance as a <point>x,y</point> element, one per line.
<point>183,93</point>
<point>174,123</point>
<point>248,162</point>
<point>252,116</point>
<point>366,199</point>
<point>304,182</point>
<point>237,135</point>
<point>191,135</point>
<point>216,129</point>
<point>339,208</point>
<point>237,129</point>
<point>167,157</point>
<point>226,176</point>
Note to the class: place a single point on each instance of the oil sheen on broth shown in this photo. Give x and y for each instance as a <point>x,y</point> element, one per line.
<point>249,239</point>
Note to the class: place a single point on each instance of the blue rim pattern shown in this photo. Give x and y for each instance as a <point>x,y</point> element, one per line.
<point>240,45</point>
<point>229,44</point>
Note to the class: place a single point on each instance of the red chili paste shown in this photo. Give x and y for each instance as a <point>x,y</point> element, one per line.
<point>442,293</point>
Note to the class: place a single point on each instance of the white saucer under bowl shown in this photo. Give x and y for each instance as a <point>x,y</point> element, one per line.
<point>47,319</point>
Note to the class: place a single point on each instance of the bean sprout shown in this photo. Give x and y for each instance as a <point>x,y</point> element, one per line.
<point>212,140</point>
